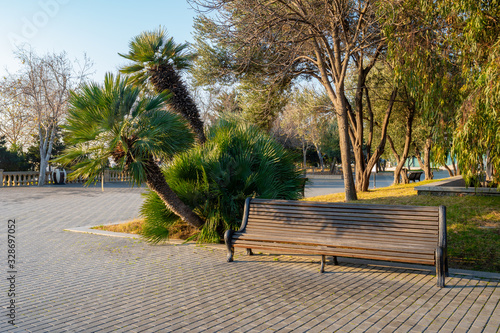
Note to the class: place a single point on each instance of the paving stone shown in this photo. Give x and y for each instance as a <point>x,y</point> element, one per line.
<point>79,282</point>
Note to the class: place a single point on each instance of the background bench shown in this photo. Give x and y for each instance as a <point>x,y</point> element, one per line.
<point>414,175</point>
<point>410,234</point>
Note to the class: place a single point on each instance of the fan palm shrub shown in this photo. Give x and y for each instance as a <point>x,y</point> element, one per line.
<point>237,161</point>
<point>157,60</point>
<point>116,121</point>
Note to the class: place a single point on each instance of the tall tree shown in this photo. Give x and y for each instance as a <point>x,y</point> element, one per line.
<point>114,121</point>
<point>42,87</point>
<point>426,68</point>
<point>16,125</point>
<point>475,32</point>
<point>313,39</point>
<point>158,61</point>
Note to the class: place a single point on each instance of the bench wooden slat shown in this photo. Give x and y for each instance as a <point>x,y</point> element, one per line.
<point>295,224</point>
<point>349,206</point>
<point>270,211</point>
<point>417,259</point>
<point>336,242</point>
<point>339,210</point>
<point>343,223</point>
<point>349,234</point>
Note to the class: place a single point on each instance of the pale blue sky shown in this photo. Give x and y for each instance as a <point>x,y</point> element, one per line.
<point>99,28</point>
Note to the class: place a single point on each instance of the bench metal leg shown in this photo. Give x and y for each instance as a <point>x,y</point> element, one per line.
<point>230,249</point>
<point>249,252</point>
<point>334,260</point>
<point>322,269</point>
<point>440,268</point>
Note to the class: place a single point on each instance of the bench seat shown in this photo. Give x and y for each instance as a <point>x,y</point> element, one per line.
<point>410,234</point>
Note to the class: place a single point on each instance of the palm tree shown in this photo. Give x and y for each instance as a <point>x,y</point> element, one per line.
<point>115,121</point>
<point>157,60</point>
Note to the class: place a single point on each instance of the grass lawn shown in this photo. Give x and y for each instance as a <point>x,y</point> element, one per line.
<point>473,222</point>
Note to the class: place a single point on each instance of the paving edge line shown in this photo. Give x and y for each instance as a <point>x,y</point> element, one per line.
<point>89,230</point>
<point>453,271</point>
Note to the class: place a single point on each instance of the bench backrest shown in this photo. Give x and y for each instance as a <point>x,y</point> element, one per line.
<point>363,230</point>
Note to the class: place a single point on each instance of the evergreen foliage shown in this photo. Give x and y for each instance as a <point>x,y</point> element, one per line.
<point>236,162</point>
<point>11,160</point>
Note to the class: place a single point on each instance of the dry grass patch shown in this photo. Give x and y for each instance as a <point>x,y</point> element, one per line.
<point>181,230</point>
<point>131,227</point>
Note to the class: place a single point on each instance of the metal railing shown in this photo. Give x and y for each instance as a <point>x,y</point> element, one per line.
<point>30,178</point>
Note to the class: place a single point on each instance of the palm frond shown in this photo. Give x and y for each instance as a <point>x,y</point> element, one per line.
<point>114,121</point>
<point>236,162</point>
<point>154,48</point>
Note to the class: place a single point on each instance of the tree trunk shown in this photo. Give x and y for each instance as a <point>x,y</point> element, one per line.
<point>46,142</point>
<point>345,149</point>
<point>42,173</point>
<point>455,167</point>
<point>409,128</point>
<point>359,155</point>
<point>339,100</point>
<point>304,154</point>
<point>488,167</point>
<point>156,182</point>
<point>365,179</point>
<point>451,172</point>
<point>427,159</point>
<point>418,155</point>
<point>320,156</point>
<point>391,144</point>
<point>333,166</point>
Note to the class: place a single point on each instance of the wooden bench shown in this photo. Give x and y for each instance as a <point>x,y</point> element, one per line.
<point>409,234</point>
<point>414,175</point>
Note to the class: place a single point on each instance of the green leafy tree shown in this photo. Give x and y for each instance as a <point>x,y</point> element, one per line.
<point>237,161</point>
<point>425,67</point>
<point>114,121</point>
<point>321,40</point>
<point>261,97</point>
<point>261,101</point>
<point>227,102</point>
<point>476,36</point>
<point>330,144</point>
<point>158,61</point>
<point>306,118</point>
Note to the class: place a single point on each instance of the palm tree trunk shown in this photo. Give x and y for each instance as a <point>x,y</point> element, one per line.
<point>164,77</point>
<point>156,182</point>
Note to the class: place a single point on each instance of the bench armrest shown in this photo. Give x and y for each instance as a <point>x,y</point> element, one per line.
<point>228,235</point>
<point>246,211</point>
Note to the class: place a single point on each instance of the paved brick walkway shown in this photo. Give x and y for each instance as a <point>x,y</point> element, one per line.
<point>88,283</point>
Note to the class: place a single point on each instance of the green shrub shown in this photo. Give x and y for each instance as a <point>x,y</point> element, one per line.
<point>236,162</point>
<point>11,160</point>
